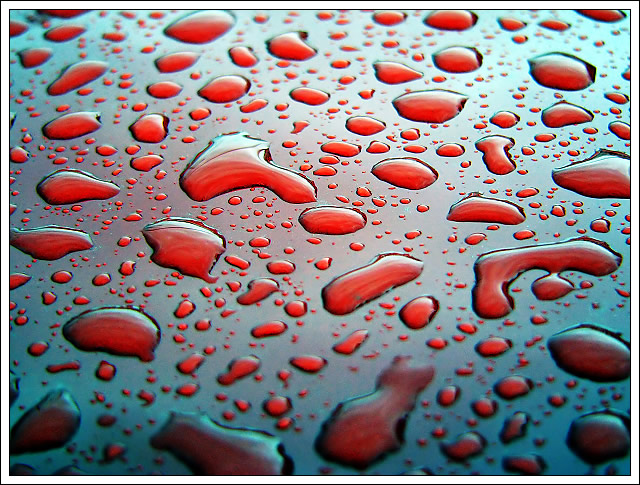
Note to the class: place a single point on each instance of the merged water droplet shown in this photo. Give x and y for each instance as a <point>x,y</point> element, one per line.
<point>49,242</point>
<point>200,27</point>
<point>557,70</point>
<point>236,161</point>
<point>332,220</point>
<point>187,245</point>
<point>606,174</point>
<point>115,330</point>
<point>476,208</point>
<point>209,448</point>
<point>409,173</point>
<point>69,186</point>
<point>496,270</point>
<point>364,429</point>
<point>431,106</point>
<point>495,153</point>
<point>239,369</point>
<point>353,289</point>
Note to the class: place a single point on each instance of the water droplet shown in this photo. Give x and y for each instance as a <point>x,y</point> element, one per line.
<point>389,17</point>
<point>450,150</point>
<point>150,128</point>
<point>511,387</point>
<point>407,172</point>
<point>64,33</point>
<point>224,89</point>
<point>466,445</point>
<point>365,125</point>
<point>177,61</point>
<point>495,153</point>
<point>555,24</point>
<point>243,56</point>
<point>592,352</point>
<point>146,162</point>
<point>551,287</point>
<point>351,342</point>
<point>562,71</point>
<point>606,174</point>
<point>564,113</point>
<point>187,245</point>
<point>511,24</point>
<point>236,161</point>
<point>493,346</point>
<point>362,430</point>
<point>209,448</point>
<point>431,106</point>
<point>476,208</point>
<point>484,407</point>
<point>332,220</point>
<point>72,125</point>
<point>529,464</point>
<point>451,19</point>
<point>448,395</point>
<point>353,289</point>
<point>34,57</point>
<point>291,46</point>
<point>190,364</point>
<point>269,329</point>
<point>238,369</point>
<point>419,312</point>
<point>77,75</point>
<point>258,290</point>
<point>49,242</point>
<point>496,270</point>
<point>200,27</point>
<point>603,15</point>
<point>395,73</point>
<point>164,89</point>
<point>69,186</point>
<point>16,280</point>
<point>118,331</point>
<point>281,267</point>
<point>621,129</point>
<point>308,363</point>
<point>310,96</point>
<point>514,427</point>
<point>48,425</point>
<point>505,119</point>
<point>458,59</point>
<point>600,436</point>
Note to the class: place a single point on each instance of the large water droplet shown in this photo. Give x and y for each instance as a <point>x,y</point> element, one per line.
<point>200,27</point>
<point>408,173</point>
<point>224,89</point>
<point>49,242</point>
<point>562,71</point>
<point>150,128</point>
<point>564,113</point>
<point>476,208</point>
<point>419,312</point>
<point>600,436</point>
<point>72,125</point>
<point>365,125</point>
<point>395,73</point>
<point>451,19</point>
<point>432,106</point>
<point>77,75</point>
<point>458,59</point>
<point>177,61</point>
<point>69,186</point>
<point>291,46</point>
<point>332,220</point>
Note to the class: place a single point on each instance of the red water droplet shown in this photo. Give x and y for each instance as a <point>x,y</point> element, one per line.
<point>592,352</point>
<point>308,363</point>
<point>432,106</point>
<point>341,148</point>
<point>395,73</point>
<point>185,308</point>
<point>458,59</point>
<point>190,364</point>
<point>603,15</point>
<point>353,289</point>
<point>409,173</point>
<point>466,445</point>
<point>601,436</point>
<point>484,407</point>
<point>36,349</point>
<point>555,24</point>
<point>505,119</point>
<point>451,19</point>
<point>528,464</point>
<point>600,225</point>
<point>310,96</point>
<point>64,33</point>
<point>200,27</point>
<point>564,113</point>
<point>61,277</point>
<point>269,329</point>
<point>448,395</point>
<point>16,27</point>
<point>209,448</point>
<point>618,98</point>
<point>16,280</point>
<point>187,245</point>
<point>621,129</point>
<point>495,271</point>
<point>34,57</point>
<point>363,429</point>
<point>69,186</point>
<point>291,46</point>
<point>351,342</point>
<point>19,155</point>
<point>238,369</point>
<point>77,75</point>
<point>450,150</point>
<point>49,242</point>
<point>296,308</point>
<point>389,17</point>
<point>419,312</point>
<point>178,61</point>
<point>164,89</point>
<point>514,427</point>
<point>476,208</point>
<point>146,162</point>
<point>562,71</point>
<point>236,161</point>
<point>511,387</point>
<point>243,56</point>
<point>224,89</point>
<point>606,174</point>
<point>511,24</point>
<point>377,147</point>
<point>551,287</point>
<point>277,406</point>
<point>332,220</point>
<point>72,125</point>
<point>281,267</point>
<point>528,192</point>
<point>258,290</point>
<point>150,128</point>
<point>106,371</point>
<point>495,153</point>
<point>365,125</point>
<point>48,425</point>
<point>118,331</point>
<point>493,346</point>
<point>524,234</point>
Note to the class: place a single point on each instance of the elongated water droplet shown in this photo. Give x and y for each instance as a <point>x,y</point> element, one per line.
<point>310,96</point>
<point>476,208</point>
<point>224,89</point>
<point>495,153</point>
<point>69,186</point>
<point>564,113</point>
<point>332,220</point>
<point>258,290</point>
<point>49,242</point>
<point>177,61</point>
<point>562,71</point>
<point>291,46</point>
<point>77,75</point>
<point>72,125</point>
<point>408,173</point>
<point>34,57</point>
<point>365,125</point>
<point>451,19</point>
<point>200,27</point>
<point>395,73</point>
<point>433,106</point>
